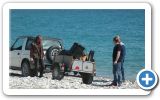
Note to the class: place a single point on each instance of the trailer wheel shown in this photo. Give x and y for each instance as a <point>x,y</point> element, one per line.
<point>56,73</point>
<point>87,78</point>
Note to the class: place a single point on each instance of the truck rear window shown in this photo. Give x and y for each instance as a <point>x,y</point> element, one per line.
<point>46,44</point>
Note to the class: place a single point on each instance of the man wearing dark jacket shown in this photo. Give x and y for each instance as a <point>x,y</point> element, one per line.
<point>36,55</point>
<point>123,57</point>
<point>117,62</point>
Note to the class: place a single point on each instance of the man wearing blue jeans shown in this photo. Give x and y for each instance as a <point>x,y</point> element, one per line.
<point>123,58</point>
<point>117,62</point>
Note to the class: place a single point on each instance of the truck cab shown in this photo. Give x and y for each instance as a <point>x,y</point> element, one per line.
<point>20,52</point>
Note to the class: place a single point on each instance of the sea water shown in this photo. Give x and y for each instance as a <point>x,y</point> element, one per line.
<point>94,29</point>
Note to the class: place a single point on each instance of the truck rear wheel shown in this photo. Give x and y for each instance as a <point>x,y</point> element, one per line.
<point>25,69</point>
<point>87,78</point>
<point>51,53</point>
<point>56,73</point>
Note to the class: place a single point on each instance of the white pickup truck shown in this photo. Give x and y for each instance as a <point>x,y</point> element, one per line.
<point>59,64</point>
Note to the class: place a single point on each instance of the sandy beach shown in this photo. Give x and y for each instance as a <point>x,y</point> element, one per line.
<point>68,82</point>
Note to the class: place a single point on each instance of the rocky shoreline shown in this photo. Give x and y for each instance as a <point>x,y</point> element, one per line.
<point>68,82</point>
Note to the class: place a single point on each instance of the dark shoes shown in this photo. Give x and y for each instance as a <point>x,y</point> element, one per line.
<point>113,84</point>
<point>41,75</point>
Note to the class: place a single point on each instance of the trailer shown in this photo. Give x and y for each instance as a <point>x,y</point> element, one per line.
<point>65,63</point>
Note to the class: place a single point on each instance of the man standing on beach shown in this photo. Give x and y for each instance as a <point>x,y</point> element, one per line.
<point>123,57</point>
<point>117,62</point>
<point>36,55</point>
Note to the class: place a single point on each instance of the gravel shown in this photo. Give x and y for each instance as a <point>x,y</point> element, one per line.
<point>16,81</point>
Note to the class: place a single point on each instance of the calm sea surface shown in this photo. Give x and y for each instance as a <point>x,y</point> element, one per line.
<point>94,29</point>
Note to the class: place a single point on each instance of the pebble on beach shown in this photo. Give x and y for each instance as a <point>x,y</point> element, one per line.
<point>68,82</point>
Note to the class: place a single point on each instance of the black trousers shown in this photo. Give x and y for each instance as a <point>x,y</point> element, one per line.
<point>39,64</point>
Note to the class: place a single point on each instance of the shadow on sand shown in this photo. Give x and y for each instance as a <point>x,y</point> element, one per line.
<point>15,74</point>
